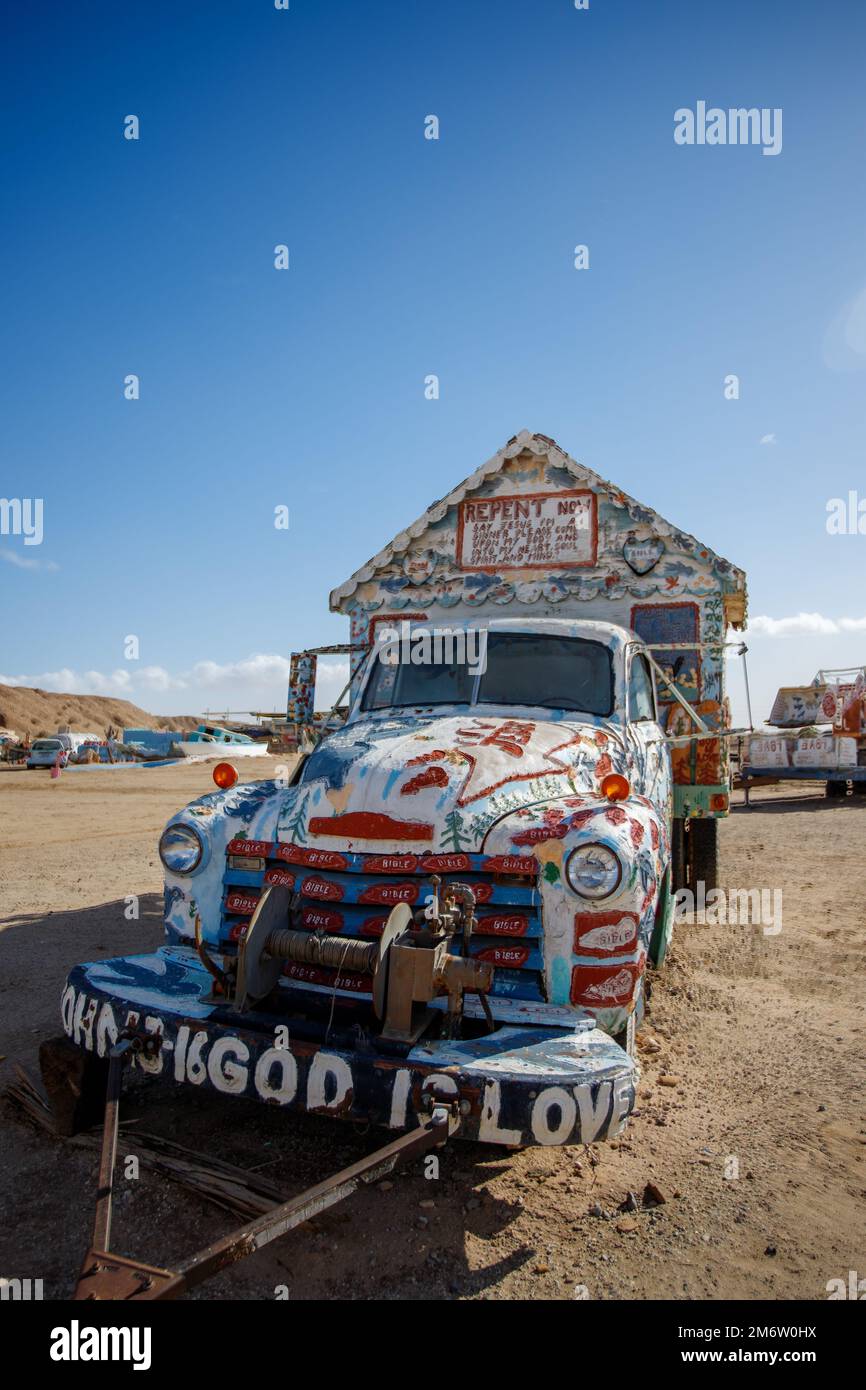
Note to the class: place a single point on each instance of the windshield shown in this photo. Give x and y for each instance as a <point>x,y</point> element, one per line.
<point>525,668</point>
<point>46,745</point>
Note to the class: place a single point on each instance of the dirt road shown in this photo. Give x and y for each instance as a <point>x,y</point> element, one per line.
<point>759,1146</point>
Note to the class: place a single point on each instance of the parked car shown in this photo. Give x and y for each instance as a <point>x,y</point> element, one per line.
<point>44,751</point>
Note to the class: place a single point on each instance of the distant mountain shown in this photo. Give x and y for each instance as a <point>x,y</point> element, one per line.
<point>35,712</point>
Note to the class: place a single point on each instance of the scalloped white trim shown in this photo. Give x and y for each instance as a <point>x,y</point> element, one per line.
<point>538,444</point>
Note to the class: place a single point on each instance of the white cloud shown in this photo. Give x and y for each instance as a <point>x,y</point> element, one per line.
<point>260,669</point>
<point>845,339</point>
<point>255,681</point>
<point>26,562</point>
<point>804,625</point>
<point>768,439</point>
<point>156,678</point>
<point>66,681</point>
<point>330,682</point>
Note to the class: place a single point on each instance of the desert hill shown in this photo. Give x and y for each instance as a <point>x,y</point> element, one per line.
<point>35,712</point>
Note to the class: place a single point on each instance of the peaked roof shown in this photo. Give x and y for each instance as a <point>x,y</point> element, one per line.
<point>537,444</point>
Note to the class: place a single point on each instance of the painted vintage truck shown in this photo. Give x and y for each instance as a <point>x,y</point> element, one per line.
<point>458,891</point>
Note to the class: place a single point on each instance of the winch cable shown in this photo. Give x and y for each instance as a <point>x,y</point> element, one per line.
<point>334,997</point>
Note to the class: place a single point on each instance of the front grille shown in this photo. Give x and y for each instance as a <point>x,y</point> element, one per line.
<point>352,895</point>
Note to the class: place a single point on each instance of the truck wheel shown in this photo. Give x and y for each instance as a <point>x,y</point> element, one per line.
<point>678,854</point>
<point>626,1038</point>
<point>836,790</point>
<point>703,838</point>
<point>662,928</point>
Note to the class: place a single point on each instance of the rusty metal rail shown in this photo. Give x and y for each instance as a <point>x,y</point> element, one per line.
<point>105,1275</point>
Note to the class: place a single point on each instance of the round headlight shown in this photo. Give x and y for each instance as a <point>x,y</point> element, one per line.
<point>180,849</point>
<point>593,871</point>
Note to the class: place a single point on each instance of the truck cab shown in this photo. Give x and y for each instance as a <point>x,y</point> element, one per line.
<point>537,778</point>
<point>544,764</point>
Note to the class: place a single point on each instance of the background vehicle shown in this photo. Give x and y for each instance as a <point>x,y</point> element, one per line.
<point>44,751</point>
<point>821,736</point>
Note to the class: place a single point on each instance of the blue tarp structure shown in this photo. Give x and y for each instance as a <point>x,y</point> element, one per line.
<point>159,740</point>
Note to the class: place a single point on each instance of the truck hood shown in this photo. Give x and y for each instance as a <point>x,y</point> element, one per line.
<point>411,783</point>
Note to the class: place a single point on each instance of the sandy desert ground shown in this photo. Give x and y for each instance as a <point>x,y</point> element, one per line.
<point>766,1033</point>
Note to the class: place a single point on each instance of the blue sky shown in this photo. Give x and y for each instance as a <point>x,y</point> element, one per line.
<point>411,257</point>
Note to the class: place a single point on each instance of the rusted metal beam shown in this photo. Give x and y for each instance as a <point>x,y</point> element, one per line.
<point>108,1276</point>
<point>108,1155</point>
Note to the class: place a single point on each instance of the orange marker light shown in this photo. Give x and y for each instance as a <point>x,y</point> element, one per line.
<point>615,787</point>
<point>225,775</point>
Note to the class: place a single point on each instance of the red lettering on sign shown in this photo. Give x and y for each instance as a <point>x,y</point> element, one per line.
<point>539,833</point>
<point>318,975</point>
<point>446,863</point>
<point>281,878</point>
<point>510,864</point>
<point>512,957</point>
<point>253,847</point>
<point>318,919</point>
<point>315,887</point>
<point>390,893</point>
<point>244,903</point>
<point>605,933</point>
<point>313,858</point>
<point>391,864</point>
<point>502,926</point>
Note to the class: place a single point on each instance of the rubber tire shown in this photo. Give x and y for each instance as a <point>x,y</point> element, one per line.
<point>703,852</point>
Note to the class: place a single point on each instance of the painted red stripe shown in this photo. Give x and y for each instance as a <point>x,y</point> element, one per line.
<point>370,825</point>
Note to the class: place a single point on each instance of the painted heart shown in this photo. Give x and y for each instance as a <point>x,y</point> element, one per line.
<point>642,556</point>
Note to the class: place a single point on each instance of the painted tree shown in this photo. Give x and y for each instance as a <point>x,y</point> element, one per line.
<point>295,828</point>
<point>453,836</point>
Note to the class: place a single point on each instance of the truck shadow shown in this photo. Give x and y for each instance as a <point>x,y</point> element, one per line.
<point>815,804</point>
<point>403,1238</point>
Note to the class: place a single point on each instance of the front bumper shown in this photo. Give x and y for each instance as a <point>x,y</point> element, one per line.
<point>521,1085</point>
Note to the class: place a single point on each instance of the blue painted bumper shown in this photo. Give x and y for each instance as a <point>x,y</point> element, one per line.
<point>523,1084</point>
